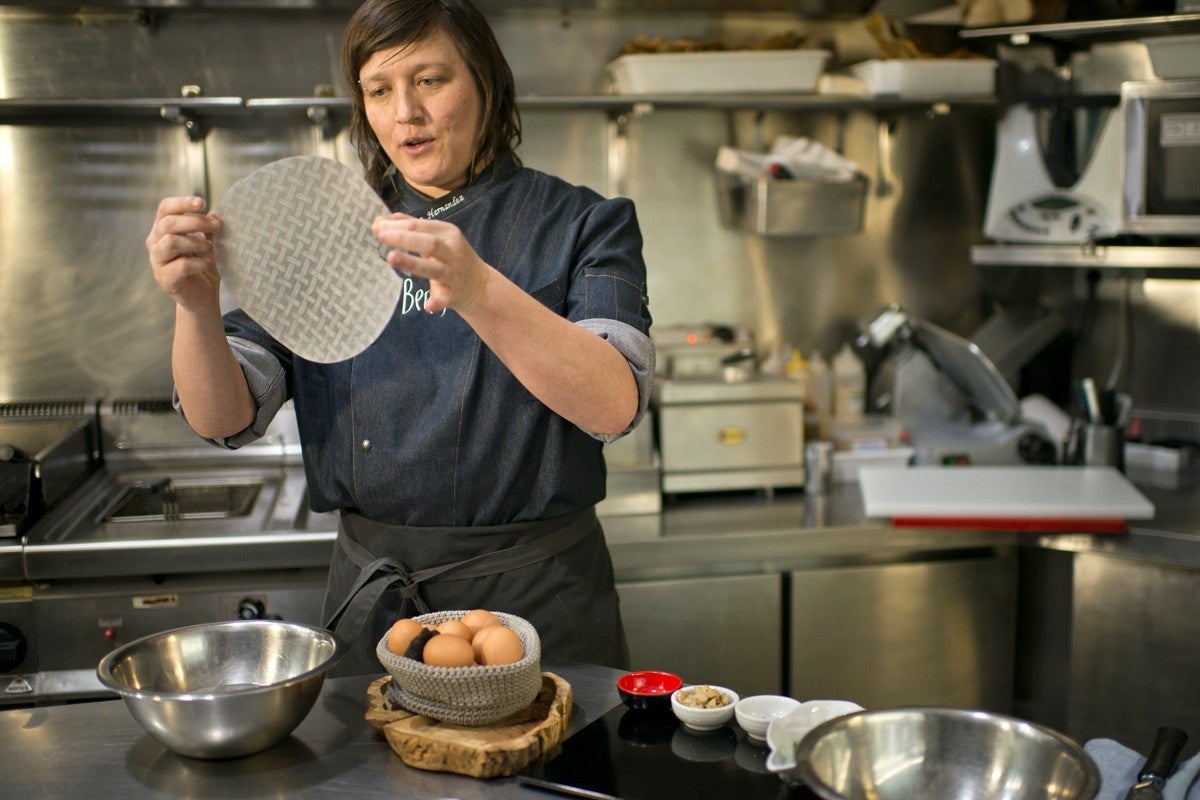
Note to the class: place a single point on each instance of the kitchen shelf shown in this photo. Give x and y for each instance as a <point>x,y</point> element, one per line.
<point>1148,257</point>
<point>1091,31</point>
<point>763,102</point>
<point>85,110</point>
<point>205,111</point>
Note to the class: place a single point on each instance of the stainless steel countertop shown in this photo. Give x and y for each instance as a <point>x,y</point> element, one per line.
<point>707,534</point>
<point>97,750</point>
<point>749,532</point>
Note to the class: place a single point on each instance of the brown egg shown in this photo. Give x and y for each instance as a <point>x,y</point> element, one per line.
<point>479,618</point>
<point>401,633</point>
<point>457,628</point>
<point>477,641</point>
<point>447,650</point>
<point>502,646</point>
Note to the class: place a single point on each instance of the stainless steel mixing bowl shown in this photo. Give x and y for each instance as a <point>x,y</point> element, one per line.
<point>222,689</point>
<point>936,753</point>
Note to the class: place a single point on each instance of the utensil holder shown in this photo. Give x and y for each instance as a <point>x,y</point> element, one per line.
<point>1095,444</point>
<point>791,206</point>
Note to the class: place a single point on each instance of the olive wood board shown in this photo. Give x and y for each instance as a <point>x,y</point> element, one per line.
<point>490,751</point>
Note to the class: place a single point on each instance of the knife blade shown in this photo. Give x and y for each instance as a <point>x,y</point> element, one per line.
<point>1159,764</point>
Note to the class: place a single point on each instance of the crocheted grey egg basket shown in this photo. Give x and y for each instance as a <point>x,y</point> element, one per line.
<point>474,696</point>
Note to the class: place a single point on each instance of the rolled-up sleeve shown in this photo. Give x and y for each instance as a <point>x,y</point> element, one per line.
<point>640,355</point>
<point>267,380</point>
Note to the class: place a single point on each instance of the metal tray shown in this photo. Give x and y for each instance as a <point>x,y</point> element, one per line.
<point>791,206</point>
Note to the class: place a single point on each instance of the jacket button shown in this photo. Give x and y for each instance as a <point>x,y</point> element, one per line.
<point>366,445</point>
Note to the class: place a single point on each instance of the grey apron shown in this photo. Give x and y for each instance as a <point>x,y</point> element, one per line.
<point>555,573</point>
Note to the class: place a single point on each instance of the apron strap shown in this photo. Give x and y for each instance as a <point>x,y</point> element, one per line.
<point>378,575</point>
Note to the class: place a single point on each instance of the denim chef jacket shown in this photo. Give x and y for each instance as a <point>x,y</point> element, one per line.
<point>426,427</point>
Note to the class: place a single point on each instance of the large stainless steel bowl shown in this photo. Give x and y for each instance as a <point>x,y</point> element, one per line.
<point>936,753</point>
<point>222,689</point>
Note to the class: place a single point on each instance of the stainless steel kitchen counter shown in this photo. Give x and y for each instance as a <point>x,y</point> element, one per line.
<point>704,534</point>
<point>750,532</point>
<point>98,750</point>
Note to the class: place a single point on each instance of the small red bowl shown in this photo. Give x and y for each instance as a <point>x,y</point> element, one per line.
<point>648,690</point>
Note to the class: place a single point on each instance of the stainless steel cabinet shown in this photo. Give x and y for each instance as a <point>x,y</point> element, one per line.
<point>1135,651</point>
<point>722,630</point>
<point>933,632</point>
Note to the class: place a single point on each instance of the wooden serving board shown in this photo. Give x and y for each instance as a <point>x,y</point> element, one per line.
<point>490,751</point>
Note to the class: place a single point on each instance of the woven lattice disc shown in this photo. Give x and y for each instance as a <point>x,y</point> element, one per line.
<point>297,253</point>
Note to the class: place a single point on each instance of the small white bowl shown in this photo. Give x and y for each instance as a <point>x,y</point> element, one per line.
<point>786,732</point>
<point>755,713</point>
<point>704,719</point>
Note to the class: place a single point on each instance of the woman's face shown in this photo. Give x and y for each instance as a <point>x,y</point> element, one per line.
<point>423,106</point>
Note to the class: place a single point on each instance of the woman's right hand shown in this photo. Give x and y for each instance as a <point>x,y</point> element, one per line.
<point>182,256</point>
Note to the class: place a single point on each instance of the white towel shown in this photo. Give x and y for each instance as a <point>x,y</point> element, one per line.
<point>801,157</point>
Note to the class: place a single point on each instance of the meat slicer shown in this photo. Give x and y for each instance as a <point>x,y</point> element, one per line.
<point>952,400</point>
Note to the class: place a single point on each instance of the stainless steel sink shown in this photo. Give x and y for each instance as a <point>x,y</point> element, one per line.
<point>182,519</point>
<point>169,499</point>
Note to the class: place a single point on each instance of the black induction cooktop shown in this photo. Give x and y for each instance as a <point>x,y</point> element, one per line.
<point>638,755</point>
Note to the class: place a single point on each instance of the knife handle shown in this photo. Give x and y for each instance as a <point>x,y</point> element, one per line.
<point>1167,745</point>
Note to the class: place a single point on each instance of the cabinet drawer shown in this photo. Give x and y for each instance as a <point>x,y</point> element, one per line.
<point>731,436</point>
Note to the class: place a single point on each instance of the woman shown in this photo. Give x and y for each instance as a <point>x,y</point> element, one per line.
<point>463,447</point>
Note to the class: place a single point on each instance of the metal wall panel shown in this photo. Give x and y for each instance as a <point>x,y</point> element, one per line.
<point>931,633</point>
<point>81,316</point>
<point>1134,653</point>
<point>723,630</point>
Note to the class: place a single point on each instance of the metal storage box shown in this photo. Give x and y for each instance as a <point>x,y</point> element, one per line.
<point>791,206</point>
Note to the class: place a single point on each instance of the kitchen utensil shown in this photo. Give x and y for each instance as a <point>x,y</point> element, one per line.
<point>473,695</point>
<point>785,733</point>
<point>818,467</point>
<point>1159,764</point>
<point>755,714</point>
<point>648,690</point>
<point>704,718</point>
<point>942,753</point>
<point>951,398</point>
<point>1035,498</point>
<point>297,252</point>
<point>1038,191</point>
<point>1096,445</point>
<point>487,751</point>
<point>222,689</point>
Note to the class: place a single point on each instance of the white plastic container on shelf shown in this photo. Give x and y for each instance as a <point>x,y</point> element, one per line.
<point>1175,56</point>
<point>704,72</point>
<point>849,386</point>
<point>928,77</point>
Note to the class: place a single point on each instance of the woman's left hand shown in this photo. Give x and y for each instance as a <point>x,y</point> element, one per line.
<point>439,252</point>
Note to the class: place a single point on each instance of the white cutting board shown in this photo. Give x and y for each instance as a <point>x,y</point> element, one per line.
<point>1032,493</point>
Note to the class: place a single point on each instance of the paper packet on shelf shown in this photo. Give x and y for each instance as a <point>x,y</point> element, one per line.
<point>789,157</point>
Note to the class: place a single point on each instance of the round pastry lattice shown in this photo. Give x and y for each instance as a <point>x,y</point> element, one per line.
<point>297,253</point>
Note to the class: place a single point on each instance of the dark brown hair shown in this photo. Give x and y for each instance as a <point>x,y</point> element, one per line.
<point>382,24</point>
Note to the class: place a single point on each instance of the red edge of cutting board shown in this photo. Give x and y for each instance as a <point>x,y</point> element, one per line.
<point>1040,524</point>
